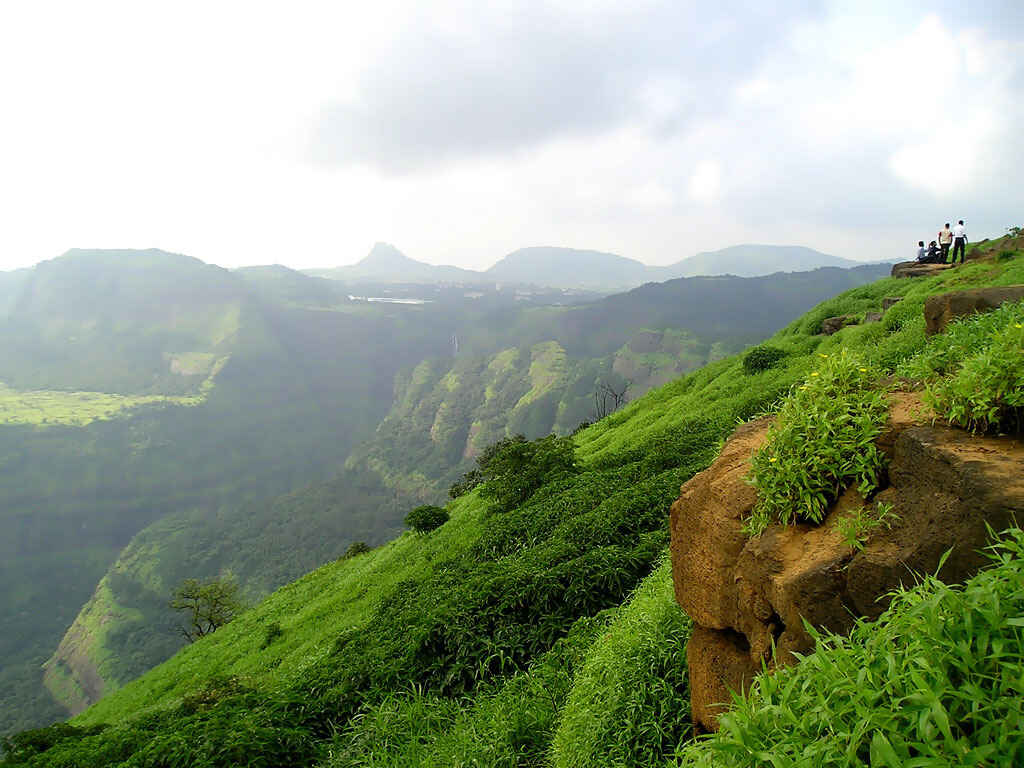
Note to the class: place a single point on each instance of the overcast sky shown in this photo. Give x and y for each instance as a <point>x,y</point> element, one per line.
<point>302,132</point>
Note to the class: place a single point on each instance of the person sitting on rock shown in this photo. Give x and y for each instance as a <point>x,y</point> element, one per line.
<point>922,252</point>
<point>934,255</point>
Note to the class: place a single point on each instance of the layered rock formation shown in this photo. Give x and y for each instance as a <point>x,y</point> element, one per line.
<point>917,269</point>
<point>940,310</point>
<point>750,597</point>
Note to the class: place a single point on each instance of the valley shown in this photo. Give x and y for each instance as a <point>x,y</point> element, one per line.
<point>539,624</point>
<point>260,421</point>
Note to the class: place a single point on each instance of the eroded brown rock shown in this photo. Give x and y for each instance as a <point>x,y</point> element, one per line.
<point>916,269</point>
<point>748,596</point>
<point>831,325</point>
<point>714,501</point>
<point>940,310</point>
<point>719,663</point>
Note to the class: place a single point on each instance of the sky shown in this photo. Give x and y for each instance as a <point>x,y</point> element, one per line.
<point>301,133</point>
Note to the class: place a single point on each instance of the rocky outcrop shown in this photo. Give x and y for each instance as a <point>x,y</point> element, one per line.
<point>890,301</point>
<point>917,269</point>
<point>831,325</point>
<point>749,597</point>
<point>940,310</point>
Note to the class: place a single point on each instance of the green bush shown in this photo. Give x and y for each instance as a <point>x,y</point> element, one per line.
<point>937,680</point>
<point>271,633</point>
<point>357,548</point>
<point>519,467</point>
<point>822,440</point>
<point>426,518</point>
<point>761,358</point>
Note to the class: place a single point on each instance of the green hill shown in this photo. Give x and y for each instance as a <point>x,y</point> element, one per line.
<point>576,269</point>
<point>341,359</point>
<point>247,399</point>
<point>537,626</point>
<point>753,260</point>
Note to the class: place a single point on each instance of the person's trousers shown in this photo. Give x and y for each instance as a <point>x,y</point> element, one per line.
<point>945,251</point>
<point>959,244</point>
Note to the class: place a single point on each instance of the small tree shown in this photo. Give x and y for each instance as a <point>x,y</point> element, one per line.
<point>356,548</point>
<point>608,398</point>
<point>207,605</point>
<point>426,518</point>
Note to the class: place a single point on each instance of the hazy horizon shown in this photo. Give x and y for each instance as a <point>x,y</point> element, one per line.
<point>246,135</point>
<point>484,268</point>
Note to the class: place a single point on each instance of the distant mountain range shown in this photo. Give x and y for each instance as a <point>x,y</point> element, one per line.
<point>583,269</point>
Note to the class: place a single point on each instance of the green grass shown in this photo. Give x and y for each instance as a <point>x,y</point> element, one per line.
<point>547,634</point>
<point>974,373</point>
<point>340,595</point>
<point>59,408</point>
<point>55,408</point>
<point>630,702</point>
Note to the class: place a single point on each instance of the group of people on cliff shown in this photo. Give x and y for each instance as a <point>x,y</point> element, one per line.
<point>938,252</point>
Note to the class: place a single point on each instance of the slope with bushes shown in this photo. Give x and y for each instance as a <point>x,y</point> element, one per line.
<point>494,639</point>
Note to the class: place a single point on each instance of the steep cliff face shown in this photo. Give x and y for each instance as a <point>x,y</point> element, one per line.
<point>751,597</point>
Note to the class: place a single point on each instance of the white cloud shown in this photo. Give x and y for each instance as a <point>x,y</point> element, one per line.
<point>652,130</point>
<point>706,182</point>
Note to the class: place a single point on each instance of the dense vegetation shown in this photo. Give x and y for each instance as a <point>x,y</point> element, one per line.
<point>163,419</point>
<point>508,637</point>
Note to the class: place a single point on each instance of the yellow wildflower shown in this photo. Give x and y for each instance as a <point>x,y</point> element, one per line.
<point>1018,325</point>
<point>773,459</point>
<point>863,370</point>
<point>815,374</point>
<point>821,355</point>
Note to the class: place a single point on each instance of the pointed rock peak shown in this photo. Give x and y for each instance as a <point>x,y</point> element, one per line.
<point>384,255</point>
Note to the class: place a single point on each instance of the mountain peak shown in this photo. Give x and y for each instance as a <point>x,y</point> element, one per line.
<point>385,255</point>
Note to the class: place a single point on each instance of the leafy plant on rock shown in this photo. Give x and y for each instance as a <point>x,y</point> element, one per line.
<point>858,524</point>
<point>822,441</point>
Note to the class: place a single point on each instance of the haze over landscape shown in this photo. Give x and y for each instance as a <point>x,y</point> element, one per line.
<point>516,385</point>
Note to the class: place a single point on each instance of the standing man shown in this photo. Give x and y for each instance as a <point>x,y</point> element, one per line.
<point>959,241</point>
<point>945,239</point>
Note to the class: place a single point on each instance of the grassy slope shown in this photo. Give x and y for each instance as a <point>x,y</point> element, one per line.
<point>675,426</point>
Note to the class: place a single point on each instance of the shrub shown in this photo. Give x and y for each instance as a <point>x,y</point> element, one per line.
<point>22,746</point>
<point>426,518</point>
<point>517,468</point>
<point>822,440</point>
<point>271,633</point>
<point>356,548</point>
<point>761,358</point>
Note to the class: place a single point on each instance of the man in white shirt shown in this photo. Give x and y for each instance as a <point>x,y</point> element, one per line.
<point>959,241</point>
